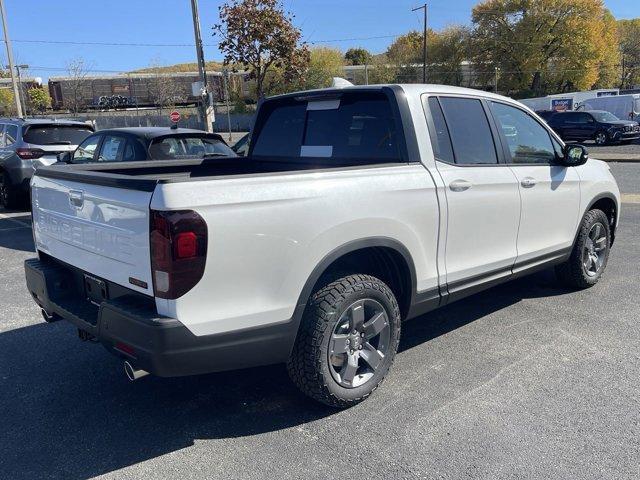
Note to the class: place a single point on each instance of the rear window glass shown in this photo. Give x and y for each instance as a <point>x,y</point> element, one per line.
<point>184,147</point>
<point>281,133</point>
<point>357,126</point>
<point>56,135</point>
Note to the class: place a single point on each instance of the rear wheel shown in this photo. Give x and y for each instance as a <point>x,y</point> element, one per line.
<point>590,253</point>
<point>601,138</point>
<point>347,341</point>
<point>9,194</point>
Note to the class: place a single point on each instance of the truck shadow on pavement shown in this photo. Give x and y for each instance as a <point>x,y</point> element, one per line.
<point>67,410</point>
<point>15,233</point>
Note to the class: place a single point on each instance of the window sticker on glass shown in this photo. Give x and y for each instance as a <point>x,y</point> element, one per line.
<point>316,150</point>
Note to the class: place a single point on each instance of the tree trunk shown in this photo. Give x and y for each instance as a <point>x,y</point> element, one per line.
<point>536,84</point>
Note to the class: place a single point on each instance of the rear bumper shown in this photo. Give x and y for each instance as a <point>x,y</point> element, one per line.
<point>129,327</point>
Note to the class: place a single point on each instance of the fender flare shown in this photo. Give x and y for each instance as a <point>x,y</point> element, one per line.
<point>593,201</point>
<point>335,254</point>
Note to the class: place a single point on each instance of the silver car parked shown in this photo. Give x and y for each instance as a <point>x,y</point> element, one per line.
<point>28,143</point>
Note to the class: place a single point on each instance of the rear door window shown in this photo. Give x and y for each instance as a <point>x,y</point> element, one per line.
<point>576,118</point>
<point>112,149</point>
<point>10,134</point>
<point>56,134</point>
<point>440,139</point>
<point>354,126</point>
<point>129,152</point>
<point>469,130</point>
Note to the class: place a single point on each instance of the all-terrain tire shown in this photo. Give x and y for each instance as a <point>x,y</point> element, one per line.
<point>573,273</point>
<point>309,365</point>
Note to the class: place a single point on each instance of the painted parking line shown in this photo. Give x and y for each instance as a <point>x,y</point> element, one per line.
<point>631,198</point>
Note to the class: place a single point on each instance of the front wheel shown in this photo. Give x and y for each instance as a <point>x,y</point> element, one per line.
<point>347,340</point>
<point>590,253</point>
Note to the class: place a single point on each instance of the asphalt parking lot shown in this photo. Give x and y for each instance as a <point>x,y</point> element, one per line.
<point>526,380</point>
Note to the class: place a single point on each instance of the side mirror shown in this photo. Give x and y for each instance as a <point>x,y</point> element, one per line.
<point>574,155</point>
<point>64,157</point>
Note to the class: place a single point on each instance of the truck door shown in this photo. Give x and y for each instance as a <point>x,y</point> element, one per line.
<point>482,199</point>
<point>549,192</point>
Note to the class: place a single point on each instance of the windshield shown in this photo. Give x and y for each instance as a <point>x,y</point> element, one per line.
<point>56,134</point>
<point>605,117</point>
<point>183,147</point>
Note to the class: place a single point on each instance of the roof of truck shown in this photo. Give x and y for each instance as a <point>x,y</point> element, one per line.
<point>409,88</point>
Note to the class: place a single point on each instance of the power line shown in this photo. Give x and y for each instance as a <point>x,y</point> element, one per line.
<point>111,44</point>
<point>137,44</point>
<point>335,40</point>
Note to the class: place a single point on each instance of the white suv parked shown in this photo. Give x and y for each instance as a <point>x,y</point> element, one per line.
<point>355,209</point>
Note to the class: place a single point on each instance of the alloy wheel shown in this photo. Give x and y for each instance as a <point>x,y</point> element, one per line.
<point>594,250</point>
<point>359,343</point>
<point>601,138</point>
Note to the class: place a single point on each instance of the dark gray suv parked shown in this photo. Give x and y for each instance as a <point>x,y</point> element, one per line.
<point>25,144</point>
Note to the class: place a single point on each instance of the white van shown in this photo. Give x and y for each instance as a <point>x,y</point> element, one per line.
<point>625,107</point>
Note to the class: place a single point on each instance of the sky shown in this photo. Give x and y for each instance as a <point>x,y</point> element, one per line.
<point>160,32</point>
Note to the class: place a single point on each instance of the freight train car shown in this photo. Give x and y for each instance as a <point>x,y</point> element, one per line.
<point>138,90</point>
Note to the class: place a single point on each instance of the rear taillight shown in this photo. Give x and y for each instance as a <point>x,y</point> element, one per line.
<point>178,251</point>
<point>29,153</point>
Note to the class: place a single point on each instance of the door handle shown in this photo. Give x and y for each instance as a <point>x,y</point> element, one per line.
<point>528,182</point>
<point>459,185</point>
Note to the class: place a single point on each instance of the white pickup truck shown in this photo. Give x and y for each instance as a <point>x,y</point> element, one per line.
<point>356,208</point>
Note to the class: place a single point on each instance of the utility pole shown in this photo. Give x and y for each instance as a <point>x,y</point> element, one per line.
<point>366,74</point>
<point>207,104</point>
<point>495,80</point>
<point>21,88</point>
<point>225,78</point>
<point>7,42</point>
<point>424,42</point>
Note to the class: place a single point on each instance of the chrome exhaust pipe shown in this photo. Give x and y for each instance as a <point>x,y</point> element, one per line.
<point>133,373</point>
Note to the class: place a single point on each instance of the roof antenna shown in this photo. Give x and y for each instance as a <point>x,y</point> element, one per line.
<point>339,82</point>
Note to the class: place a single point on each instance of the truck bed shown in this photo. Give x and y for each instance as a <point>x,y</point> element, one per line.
<point>146,175</point>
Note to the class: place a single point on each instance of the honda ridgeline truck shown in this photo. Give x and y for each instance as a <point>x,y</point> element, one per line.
<point>355,209</point>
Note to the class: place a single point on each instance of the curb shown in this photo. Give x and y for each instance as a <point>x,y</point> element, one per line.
<point>616,157</point>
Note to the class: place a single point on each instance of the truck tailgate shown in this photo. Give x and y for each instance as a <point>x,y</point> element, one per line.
<point>103,230</point>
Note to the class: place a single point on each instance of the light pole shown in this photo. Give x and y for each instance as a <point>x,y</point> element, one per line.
<point>424,42</point>
<point>207,104</point>
<point>21,88</point>
<point>7,42</point>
